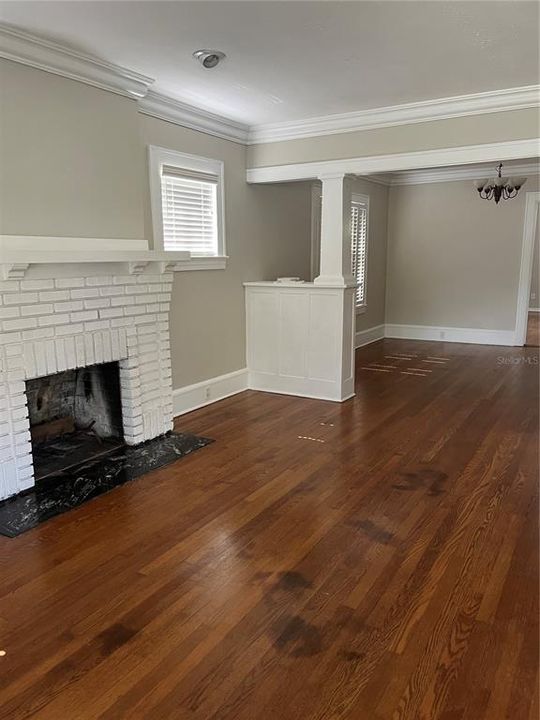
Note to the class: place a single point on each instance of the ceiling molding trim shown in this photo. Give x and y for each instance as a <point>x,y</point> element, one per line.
<point>378,179</point>
<point>179,113</point>
<point>517,98</point>
<point>376,164</point>
<point>51,57</point>
<point>421,177</point>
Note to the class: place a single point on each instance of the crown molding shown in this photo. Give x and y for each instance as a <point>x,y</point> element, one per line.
<point>426,111</point>
<point>51,57</point>
<point>378,165</point>
<point>179,113</point>
<point>421,177</point>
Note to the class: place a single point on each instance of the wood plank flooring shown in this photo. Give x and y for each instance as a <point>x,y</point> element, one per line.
<point>375,560</point>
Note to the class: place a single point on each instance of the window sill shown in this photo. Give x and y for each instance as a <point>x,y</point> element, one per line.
<point>203,263</point>
<point>361,309</point>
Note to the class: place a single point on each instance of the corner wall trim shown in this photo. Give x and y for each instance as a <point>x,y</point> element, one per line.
<point>371,335</point>
<point>191,397</point>
<point>532,205</point>
<point>475,336</point>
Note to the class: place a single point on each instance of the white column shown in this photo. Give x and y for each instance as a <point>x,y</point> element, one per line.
<point>335,265</point>
<point>336,271</point>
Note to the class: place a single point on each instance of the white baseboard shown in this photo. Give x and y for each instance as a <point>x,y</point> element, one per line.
<point>451,334</point>
<point>534,309</point>
<point>365,337</point>
<point>299,386</point>
<point>209,391</point>
<point>192,397</point>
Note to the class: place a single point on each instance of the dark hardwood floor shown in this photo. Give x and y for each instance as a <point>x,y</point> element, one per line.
<point>375,560</point>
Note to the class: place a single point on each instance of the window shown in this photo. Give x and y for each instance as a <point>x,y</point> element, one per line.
<point>187,206</point>
<point>359,235</point>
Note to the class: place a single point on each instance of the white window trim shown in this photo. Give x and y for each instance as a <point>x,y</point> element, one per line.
<point>157,158</point>
<point>361,199</point>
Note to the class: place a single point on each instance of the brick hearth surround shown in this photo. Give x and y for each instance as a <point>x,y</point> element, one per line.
<point>50,325</point>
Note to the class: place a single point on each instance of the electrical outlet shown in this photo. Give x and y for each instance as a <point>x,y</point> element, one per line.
<point>533,296</point>
<point>207,393</point>
<point>441,333</point>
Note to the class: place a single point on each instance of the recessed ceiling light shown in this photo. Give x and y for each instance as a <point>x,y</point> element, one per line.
<point>209,58</point>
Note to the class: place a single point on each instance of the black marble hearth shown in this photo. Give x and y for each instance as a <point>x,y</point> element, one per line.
<point>58,493</point>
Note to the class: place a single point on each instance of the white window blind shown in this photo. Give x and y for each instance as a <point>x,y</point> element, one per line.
<point>189,205</point>
<point>359,248</point>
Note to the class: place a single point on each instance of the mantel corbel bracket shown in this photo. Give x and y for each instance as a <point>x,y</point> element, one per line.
<point>137,267</point>
<point>13,271</point>
<point>167,266</point>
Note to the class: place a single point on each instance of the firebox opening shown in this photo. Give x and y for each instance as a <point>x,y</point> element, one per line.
<point>75,415</point>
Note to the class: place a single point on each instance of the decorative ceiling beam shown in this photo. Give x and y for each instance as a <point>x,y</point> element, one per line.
<point>378,165</point>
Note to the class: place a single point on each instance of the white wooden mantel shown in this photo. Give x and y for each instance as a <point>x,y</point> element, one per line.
<point>20,254</point>
<point>69,303</point>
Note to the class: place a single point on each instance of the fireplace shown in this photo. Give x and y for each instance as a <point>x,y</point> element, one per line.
<point>75,416</point>
<point>84,360</point>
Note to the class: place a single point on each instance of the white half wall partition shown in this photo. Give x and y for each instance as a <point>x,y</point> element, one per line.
<point>300,336</point>
<point>300,339</point>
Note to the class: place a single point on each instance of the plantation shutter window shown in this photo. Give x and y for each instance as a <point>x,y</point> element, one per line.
<point>359,218</point>
<point>190,211</point>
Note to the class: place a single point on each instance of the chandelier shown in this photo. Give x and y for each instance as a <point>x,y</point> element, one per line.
<point>499,187</point>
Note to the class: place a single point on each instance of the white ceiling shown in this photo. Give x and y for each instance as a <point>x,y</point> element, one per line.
<point>293,60</point>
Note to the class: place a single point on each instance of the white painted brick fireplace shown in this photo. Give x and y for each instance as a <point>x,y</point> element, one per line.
<point>75,316</point>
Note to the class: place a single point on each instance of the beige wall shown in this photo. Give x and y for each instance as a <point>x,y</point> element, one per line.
<point>453,259</point>
<point>455,132</point>
<point>73,162</point>
<point>376,267</point>
<point>534,297</point>
<point>268,234</point>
